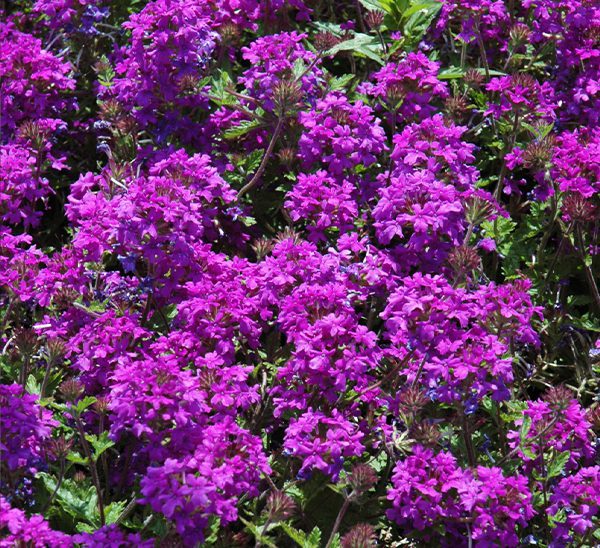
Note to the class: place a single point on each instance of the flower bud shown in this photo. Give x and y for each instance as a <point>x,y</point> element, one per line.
<point>287,94</point>
<point>474,78</point>
<point>262,247</point>
<point>374,19</point>
<point>426,433</point>
<point>230,34</point>
<point>578,209</point>
<point>324,41</point>
<point>287,156</point>
<point>519,34</point>
<point>71,390</point>
<point>360,536</point>
<point>100,406</point>
<point>558,397</point>
<point>60,447</point>
<point>464,259</point>
<point>280,506</point>
<point>361,478</point>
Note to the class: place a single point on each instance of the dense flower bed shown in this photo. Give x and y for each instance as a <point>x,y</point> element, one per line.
<point>299,273</point>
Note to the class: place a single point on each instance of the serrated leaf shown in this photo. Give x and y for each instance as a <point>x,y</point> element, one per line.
<point>372,5</point>
<point>241,129</point>
<point>80,502</point>
<point>76,458</point>
<point>32,386</point>
<point>99,443</point>
<point>418,19</point>
<point>423,6</point>
<point>213,534</point>
<point>299,537</point>
<point>113,511</point>
<point>557,464</point>
<point>361,43</point>
<point>298,68</point>
<point>83,404</point>
<point>219,86</point>
<point>336,541</point>
<point>314,539</point>
<point>340,82</point>
<point>525,428</point>
<point>257,532</point>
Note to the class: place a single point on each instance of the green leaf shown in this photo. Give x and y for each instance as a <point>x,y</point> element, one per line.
<point>314,539</point>
<point>540,132</point>
<point>83,404</point>
<point>32,386</point>
<point>456,72</point>
<point>99,443</point>
<point>213,531</point>
<point>76,458</point>
<point>418,18</point>
<point>299,537</point>
<point>257,532</point>
<point>77,500</point>
<point>499,230</point>
<point>422,7</point>
<point>361,43</point>
<point>336,541</point>
<point>219,86</point>
<point>450,73</point>
<point>525,428</point>
<point>113,511</point>
<point>298,68</point>
<point>557,464</point>
<point>243,128</point>
<point>372,5</point>
<point>340,82</point>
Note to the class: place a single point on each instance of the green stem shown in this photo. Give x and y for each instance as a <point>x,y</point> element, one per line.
<point>92,465</point>
<point>471,457</point>
<point>61,476</point>
<point>338,521</point>
<point>589,274</point>
<point>263,164</point>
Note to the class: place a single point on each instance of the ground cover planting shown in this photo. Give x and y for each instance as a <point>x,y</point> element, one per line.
<point>302,273</point>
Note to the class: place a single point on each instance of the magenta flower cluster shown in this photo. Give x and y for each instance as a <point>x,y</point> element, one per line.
<point>286,272</point>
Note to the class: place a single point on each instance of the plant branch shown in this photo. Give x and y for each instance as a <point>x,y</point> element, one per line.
<point>263,164</point>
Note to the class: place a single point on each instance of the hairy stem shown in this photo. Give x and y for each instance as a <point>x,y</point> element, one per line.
<point>338,521</point>
<point>92,465</point>
<point>263,164</point>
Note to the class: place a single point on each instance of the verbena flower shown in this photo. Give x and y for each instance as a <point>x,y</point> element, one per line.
<point>226,463</point>
<point>25,429</point>
<point>575,506</point>
<point>17,528</point>
<point>411,82</point>
<point>339,135</point>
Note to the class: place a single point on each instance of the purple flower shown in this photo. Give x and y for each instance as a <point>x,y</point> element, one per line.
<point>18,529</point>
<point>575,506</point>
<point>227,462</point>
<point>411,82</point>
<point>340,136</point>
<point>323,203</point>
<point>25,428</point>
<point>272,60</point>
<point>323,442</point>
